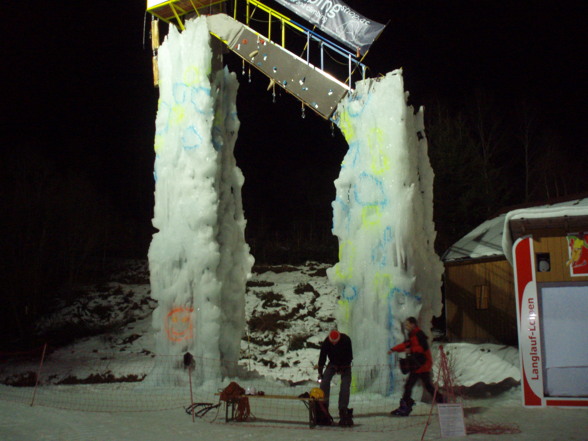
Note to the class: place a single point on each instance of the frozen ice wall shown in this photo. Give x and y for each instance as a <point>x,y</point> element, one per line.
<point>198,259</point>
<point>383,217</point>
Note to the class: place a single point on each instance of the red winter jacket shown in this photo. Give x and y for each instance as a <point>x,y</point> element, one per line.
<point>417,343</point>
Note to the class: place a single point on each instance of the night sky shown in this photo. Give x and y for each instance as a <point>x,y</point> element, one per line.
<point>78,89</point>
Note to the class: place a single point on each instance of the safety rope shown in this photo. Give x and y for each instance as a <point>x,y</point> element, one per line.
<point>205,408</point>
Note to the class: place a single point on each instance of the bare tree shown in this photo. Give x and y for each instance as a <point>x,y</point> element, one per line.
<point>556,173</point>
<point>49,229</point>
<point>527,120</point>
<point>458,188</point>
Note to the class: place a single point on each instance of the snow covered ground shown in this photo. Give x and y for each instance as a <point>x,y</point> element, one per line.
<point>20,422</point>
<point>90,388</point>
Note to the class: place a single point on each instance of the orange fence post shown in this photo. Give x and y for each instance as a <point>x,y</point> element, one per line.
<point>39,374</point>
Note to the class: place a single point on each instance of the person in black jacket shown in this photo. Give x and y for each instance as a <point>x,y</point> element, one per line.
<point>337,348</point>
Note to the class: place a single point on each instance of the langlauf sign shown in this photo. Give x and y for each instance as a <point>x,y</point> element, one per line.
<point>339,21</point>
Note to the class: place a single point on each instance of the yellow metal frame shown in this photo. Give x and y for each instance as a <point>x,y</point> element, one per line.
<point>179,9</point>
<point>286,21</point>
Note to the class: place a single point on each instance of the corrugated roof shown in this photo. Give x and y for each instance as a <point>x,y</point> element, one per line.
<point>493,237</point>
<point>482,242</point>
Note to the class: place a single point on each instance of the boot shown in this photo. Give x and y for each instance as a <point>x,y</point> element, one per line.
<point>346,417</point>
<point>405,408</point>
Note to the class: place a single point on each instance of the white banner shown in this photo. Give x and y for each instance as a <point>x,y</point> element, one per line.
<point>339,21</point>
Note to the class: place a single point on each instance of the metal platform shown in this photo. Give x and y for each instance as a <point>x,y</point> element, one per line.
<point>317,89</point>
<point>310,84</point>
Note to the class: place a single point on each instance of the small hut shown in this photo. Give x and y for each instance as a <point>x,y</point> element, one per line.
<point>479,287</point>
<point>480,303</point>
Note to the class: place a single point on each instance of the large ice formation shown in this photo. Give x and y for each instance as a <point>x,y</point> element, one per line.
<point>383,217</point>
<point>198,260</point>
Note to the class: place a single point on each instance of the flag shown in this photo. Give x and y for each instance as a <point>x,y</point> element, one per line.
<point>339,21</point>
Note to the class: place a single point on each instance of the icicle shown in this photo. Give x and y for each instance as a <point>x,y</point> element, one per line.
<point>250,74</point>
<point>274,92</point>
<point>243,71</point>
<point>155,71</point>
<point>154,35</point>
<point>332,129</point>
<point>155,47</point>
<point>303,111</point>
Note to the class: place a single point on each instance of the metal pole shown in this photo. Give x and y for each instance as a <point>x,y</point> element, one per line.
<point>283,33</point>
<point>307,47</point>
<point>269,25</point>
<point>349,66</point>
<point>191,395</point>
<point>39,374</point>
<point>430,412</point>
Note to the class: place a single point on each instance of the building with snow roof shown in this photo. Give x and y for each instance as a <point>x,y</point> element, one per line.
<point>479,282</point>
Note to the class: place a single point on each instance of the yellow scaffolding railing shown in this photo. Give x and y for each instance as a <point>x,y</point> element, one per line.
<point>284,20</point>
<point>175,10</point>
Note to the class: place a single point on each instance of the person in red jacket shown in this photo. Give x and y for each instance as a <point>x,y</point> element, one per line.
<point>417,345</point>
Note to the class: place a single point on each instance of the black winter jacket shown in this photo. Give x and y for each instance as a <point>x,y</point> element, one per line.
<point>340,354</point>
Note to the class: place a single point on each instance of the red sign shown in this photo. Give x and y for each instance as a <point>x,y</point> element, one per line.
<point>578,254</point>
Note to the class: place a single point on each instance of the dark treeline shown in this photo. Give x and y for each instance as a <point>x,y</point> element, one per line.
<point>60,228</point>
<point>488,153</point>
<point>488,156</point>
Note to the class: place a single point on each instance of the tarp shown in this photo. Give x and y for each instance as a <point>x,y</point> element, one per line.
<point>338,20</point>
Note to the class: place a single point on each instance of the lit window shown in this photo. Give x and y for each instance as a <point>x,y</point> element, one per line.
<point>543,262</point>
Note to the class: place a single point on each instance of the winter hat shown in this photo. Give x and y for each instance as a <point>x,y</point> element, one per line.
<point>334,336</point>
